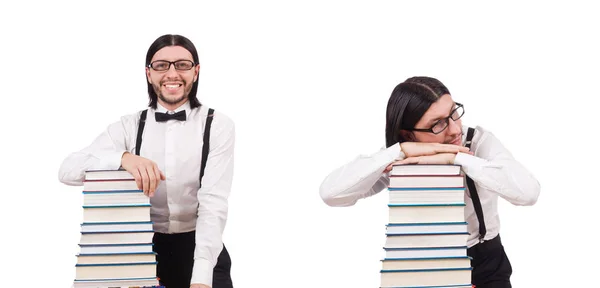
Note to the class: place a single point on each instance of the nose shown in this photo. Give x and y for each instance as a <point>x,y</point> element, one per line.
<point>172,71</point>
<point>453,126</point>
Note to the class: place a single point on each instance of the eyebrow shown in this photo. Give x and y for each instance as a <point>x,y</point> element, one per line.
<point>179,59</point>
<point>440,117</point>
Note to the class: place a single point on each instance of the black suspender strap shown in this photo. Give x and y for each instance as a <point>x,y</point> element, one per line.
<point>138,141</point>
<point>206,142</point>
<point>474,195</point>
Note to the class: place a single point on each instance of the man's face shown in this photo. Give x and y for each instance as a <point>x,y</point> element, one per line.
<point>173,85</point>
<point>438,111</point>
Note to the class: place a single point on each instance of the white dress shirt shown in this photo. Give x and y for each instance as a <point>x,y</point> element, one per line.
<point>178,204</point>
<point>492,168</point>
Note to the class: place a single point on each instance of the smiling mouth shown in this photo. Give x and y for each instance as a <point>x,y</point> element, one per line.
<point>172,86</point>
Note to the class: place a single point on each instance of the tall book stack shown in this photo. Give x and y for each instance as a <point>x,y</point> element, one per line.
<point>426,235</point>
<point>115,248</point>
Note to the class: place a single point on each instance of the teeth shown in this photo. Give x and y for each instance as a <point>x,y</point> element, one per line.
<point>172,86</point>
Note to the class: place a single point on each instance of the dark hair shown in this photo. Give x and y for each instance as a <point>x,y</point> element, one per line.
<point>407,104</point>
<point>172,40</point>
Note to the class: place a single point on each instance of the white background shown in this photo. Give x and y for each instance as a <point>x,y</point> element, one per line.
<point>306,84</point>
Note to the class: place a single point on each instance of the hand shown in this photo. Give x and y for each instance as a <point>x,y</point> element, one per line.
<point>440,158</point>
<point>412,149</point>
<point>146,173</point>
<point>199,286</point>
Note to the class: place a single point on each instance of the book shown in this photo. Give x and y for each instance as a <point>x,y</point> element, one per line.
<point>426,181</point>
<point>115,246</point>
<point>424,252</point>
<point>428,213</point>
<point>425,169</point>
<point>438,195</point>
<point>433,277</point>
<point>426,234</point>
<point>118,283</point>
<point>426,227</point>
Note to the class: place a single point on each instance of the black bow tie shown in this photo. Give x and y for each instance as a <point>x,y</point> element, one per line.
<point>163,117</point>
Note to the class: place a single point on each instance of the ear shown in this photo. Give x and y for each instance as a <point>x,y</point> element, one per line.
<point>408,136</point>
<point>148,75</point>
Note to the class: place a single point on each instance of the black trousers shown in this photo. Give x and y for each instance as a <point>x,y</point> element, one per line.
<point>491,267</point>
<point>175,257</point>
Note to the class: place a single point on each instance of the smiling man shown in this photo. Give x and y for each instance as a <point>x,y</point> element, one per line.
<point>424,126</point>
<point>185,165</point>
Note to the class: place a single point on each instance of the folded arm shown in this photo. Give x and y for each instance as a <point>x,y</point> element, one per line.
<point>104,152</point>
<point>362,177</point>
<point>494,168</point>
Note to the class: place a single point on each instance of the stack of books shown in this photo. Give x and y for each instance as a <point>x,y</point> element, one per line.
<point>115,249</point>
<point>426,235</point>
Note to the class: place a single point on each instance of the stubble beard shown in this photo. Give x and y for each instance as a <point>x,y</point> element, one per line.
<point>173,101</point>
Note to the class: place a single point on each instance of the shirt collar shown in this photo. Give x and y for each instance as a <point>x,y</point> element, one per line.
<point>185,106</point>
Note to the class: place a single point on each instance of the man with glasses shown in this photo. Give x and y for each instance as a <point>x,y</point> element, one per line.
<point>423,126</point>
<point>180,153</point>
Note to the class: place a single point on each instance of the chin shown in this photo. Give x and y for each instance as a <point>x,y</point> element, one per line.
<point>172,99</point>
<point>457,141</point>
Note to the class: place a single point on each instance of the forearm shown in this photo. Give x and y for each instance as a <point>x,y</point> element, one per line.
<point>362,177</point>
<point>104,153</point>
<point>502,175</point>
<point>212,217</point>
<point>72,169</point>
<point>209,240</point>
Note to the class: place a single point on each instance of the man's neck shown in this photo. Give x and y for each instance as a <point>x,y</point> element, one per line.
<point>172,107</point>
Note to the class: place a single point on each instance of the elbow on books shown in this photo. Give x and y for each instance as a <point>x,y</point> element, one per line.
<point>534,195</point>
<point>529,198</point>
<point>526,201</point>
<point>332,201</point>
<point>532,198</point>
<point>68,179</point>
<point>329,201</point>
<point>69,182</point>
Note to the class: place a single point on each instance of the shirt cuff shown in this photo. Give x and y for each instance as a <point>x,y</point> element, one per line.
<point>108,160</point>
<point>202,272</point>
<point>395,152</point>
<point>470,163</point>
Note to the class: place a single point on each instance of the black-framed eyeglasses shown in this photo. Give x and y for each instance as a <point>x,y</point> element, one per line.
<point>442,124</point>
<point>162,65</point>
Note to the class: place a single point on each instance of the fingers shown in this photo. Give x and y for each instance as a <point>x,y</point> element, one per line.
<point>145,172</point>
<point>400,162</point>
<point>152,180</point>
<point>155,177</point>
<point>440,158</point>
<point>412,149</point>
<point>449,148</point>
<point>158,175</point>
<point>409,160</point>
<point>388,168</point>
<point>145,180</point>
<point>137,177</point>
